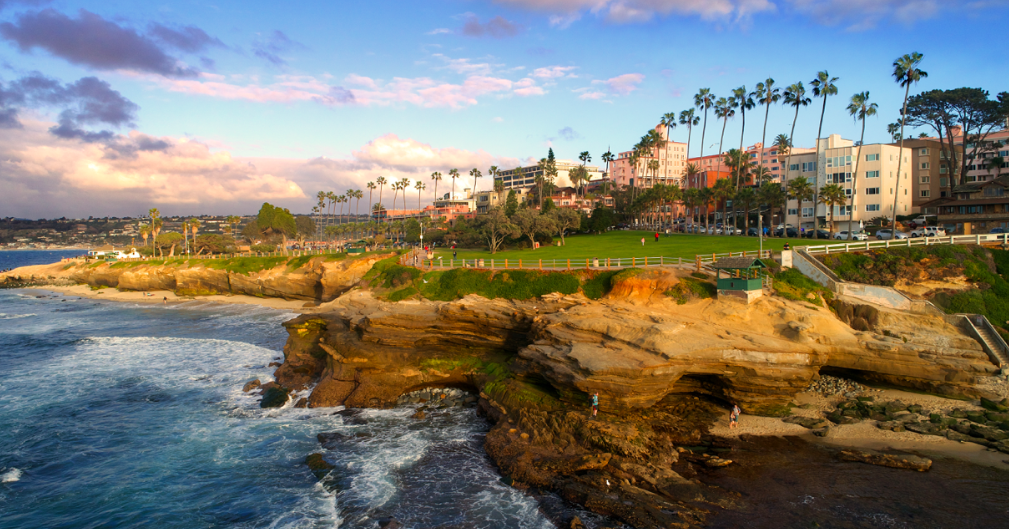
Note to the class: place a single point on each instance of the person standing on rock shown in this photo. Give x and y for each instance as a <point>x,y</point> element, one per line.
<point>734,416</point>
<point>595,404</point>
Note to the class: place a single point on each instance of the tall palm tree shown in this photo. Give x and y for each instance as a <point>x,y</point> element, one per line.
<point>669,120</point>
<point>232,221</point>
<point>371,189</point>
<point>493,173</point>
<point>831,196</point>
<point>795,95</point>
<point>419,186</point>
<point>185,232</point>
<point>766,95</point>
<point>724,109</point>
<point>800,190</point>
<point>823,86</point>
<point>775,197</point>
<point>859,108</point>
<point>381,181</point>
<point>475,173</point>
<point>906,71</point>
<point>653,166</point>
<point>761,175</point>
<point>688,119</point>
<point>156,224</point>
<point>704,100</point>
<point>321,196</point>
<point>893,130</point>
<point>744,102</point>
<point>395,186</point>
<point>705,196</point>
<point>436,177</point>
<point>453,174</point>
<point>585,157</point>
<point>358,194</point>
<point>608,158</point>
<point>690,200</point>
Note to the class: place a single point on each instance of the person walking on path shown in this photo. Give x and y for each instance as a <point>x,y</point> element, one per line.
<point>656,236</point>
<point>642,241</point>
<point>734,416</point>
<point>595,404</point>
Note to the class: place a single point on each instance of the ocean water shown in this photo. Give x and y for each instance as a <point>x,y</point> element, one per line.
<point>16,258</point>
<point>121,415</point>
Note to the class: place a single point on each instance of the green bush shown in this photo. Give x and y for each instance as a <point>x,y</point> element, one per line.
<point>513,284</point>
<point>599,284</point>
<point>264,248</point>
<point>244,265</point>
<point>792,284</point>
<point>689,289</point>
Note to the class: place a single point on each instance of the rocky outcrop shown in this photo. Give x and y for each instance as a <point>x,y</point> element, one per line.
<point>318,279</point>
<point>535,363</point>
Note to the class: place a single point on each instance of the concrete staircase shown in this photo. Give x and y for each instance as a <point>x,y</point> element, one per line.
<point>993,343</point>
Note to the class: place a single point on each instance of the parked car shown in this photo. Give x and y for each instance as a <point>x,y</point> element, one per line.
<point>788,232</point>
<point>752,232</point>
<point>929,231</point>
<point>856,236</point>
<point>993,230</point>
<point>887,234</point>
<point>816,234</point>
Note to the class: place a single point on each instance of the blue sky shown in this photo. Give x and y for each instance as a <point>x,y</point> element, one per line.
<point>216,106</point>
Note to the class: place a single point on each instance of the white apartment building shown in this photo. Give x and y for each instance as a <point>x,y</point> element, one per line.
<point>877,182</point>
<point>525,177</point>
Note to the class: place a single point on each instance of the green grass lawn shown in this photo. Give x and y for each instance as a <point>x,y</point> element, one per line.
<point>616,244</point>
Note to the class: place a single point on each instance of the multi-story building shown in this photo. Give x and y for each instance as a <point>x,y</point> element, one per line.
<point>976,207</point>
<point>525,177</point>
<point>759,156</point>
<point>487,200</point>
<point>877,182</point>
<point>672,158</point>
<point>700,181</point>
<point>929,172</point>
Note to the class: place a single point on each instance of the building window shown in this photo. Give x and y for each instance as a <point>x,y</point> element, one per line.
<point>841,210</point>
<point>924,193</point>
<point>872,174</point>
<point>808,167</point>
<point>943,182</point>
<point>926,179</point>
<point>793,211</point>
<point>924,165</point>
<point>993,191</point>
<point>872,191</point>
<point>942,169</point>
<point>923,152</point>
<point>807,212</point>
<point>872,207</point>
<point>872,157</point>
<point>793,167</point>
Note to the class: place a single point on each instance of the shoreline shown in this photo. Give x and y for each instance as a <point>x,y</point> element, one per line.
<point>159,296</point>
<point>864,434</point>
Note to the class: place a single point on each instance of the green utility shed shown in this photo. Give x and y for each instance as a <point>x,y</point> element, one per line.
<point>744,277</point>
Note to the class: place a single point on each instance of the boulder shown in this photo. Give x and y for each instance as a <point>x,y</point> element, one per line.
<point>909,462</point>
<point>251,385</point>
<point>318,465</point>
<point>275,397</point>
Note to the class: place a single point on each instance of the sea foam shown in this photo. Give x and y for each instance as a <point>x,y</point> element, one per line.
<point>11,476</point>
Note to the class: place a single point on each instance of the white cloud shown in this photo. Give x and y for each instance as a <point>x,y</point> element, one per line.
<point>858,15</point>
<point>554,72</point>
<point>564,12</point>
<point>44,176</point>
<point>530,91</point>
<point>592,95</point>
<point>439,31</point>
<point>622,85</point>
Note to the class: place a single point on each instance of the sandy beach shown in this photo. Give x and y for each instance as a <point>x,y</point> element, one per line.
<point>865,434</point>
<point>160,296</point>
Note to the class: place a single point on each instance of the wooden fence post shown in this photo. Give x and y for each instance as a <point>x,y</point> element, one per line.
<point>506,264</point>
<point>520,264</point>
<point>569,265</point>
<point>634,262</point>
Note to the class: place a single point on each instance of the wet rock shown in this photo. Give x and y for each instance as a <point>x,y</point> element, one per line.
<point>275,397</point>
<point>807,422</point>
<point>568,465</point>
<point>909,462</point>
<point>302,403</point>
<point>826,431</point>
<point>419,415</point>
<point>318,465</point>
<point>274,364</point>
<point>576,523</point>
<point>251,385</point>
<point>993,405</point>
<point>389,523</point>
<point>352,417</point>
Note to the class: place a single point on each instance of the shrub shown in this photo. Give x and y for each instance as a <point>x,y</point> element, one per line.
<point>513,284</point>
<point>792,284</point>
<point>689,289</point>
<point>263,248</point>
<point>599,284</point>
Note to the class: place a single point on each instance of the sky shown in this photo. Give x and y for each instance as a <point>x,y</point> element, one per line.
<point>113,107</point>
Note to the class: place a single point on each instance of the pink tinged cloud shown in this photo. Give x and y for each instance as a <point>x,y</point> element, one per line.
<point>622,84</point>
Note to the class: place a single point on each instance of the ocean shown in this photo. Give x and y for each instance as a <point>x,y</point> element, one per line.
<point>124,415</point>
<point>10,259</point>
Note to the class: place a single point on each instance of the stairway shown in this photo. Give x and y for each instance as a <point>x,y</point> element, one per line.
<point>992,341</point>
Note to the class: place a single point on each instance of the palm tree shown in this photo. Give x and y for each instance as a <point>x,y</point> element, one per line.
<point>475,173</point>
<point>341,200</point>
<point>746,196</point>
<point>232,221</point>
<point>906,71</point>
<point>800,190</point>
<point>704,99</point>
<point>823,86</point>
<point>371,189</point>
<point>831,196</point>
<point>766,95</point>
<point>705,196</point>
<point>381,181</point>
<point>795,95</point>
<point>156,224</point>
<point>321,196</point>
<point>653,166</point>
<point>607,158</point>
<point>453,174</point>
<point>688,118</point>
<point>585,157</point>
<point>493,173</point>
<point>419,186</point>
<point>358,194</point>
<point>859,108</point>
<point>194,225</point>
<point>723,191</point>
<point>761,174</point>
<point>436,177</point>
<point>690,200</point>
<point>396,186</point>
<point>725,109</point>
<point>669,120</point>
<point>893,130</point>
<point>145,231</point>
<point>774,196</point>
<point>744,102</point>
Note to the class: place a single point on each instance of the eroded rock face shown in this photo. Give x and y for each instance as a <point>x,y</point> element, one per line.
<point>318,280</point>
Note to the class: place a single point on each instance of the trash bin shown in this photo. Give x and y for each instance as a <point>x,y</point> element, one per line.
<point>595,262</point>
<point>481,264</point>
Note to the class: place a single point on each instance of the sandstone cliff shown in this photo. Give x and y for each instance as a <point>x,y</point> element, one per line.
<point>535,363</point>
<point>316,279</point>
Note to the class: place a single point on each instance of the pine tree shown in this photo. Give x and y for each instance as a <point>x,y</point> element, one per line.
<point>511,203</point>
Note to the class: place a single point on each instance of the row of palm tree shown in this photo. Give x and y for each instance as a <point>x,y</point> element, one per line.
<point>325,209</point>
